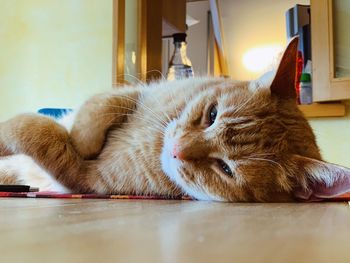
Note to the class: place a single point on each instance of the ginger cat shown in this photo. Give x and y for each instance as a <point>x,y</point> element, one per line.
<point>210,138</point>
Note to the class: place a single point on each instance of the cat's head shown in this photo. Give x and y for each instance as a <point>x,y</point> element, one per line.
<point>248,141</point>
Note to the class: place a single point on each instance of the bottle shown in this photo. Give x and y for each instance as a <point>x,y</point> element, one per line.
<point>179,66</point>
<point>305,89</point>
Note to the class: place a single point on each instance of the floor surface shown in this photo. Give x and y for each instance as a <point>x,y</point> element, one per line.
<point>59,230</point>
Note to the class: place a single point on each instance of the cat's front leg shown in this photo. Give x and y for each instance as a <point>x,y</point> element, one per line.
<point>5,145</point>
<point>98,115</point>
<point>49,144</point>
<point>3,150</point>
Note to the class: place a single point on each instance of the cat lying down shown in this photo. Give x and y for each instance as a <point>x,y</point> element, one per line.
<point>210,138</point>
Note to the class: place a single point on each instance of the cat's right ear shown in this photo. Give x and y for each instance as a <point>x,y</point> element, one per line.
<point>283,84</point>
<point>320,180</point>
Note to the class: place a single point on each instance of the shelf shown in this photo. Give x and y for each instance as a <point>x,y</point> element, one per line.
<point>317,110</point>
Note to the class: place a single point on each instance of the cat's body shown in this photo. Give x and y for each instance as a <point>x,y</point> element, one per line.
<point>130,161</point>
<point>210,138</point>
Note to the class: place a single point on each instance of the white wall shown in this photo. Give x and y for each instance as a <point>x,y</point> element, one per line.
<point>197,36</point>
<point>250,24</point>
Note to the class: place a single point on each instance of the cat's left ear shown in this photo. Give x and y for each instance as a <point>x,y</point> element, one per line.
<point>283,84</point>
<point>324,180</point>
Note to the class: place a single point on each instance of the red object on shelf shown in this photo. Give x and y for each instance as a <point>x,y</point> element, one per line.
<point>300,63</point>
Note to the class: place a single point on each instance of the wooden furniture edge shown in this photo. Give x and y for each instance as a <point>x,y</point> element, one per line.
<point>317,110</point>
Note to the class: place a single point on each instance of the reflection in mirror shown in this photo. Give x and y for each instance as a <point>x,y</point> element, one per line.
<point>131,71</point>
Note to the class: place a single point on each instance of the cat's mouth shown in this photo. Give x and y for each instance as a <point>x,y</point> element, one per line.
<point>170,165</point>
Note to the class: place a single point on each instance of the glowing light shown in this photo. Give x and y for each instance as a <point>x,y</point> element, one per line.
<point>133,57</point>
<point>261,58</point>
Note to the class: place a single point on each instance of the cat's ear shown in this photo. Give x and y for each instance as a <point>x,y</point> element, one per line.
<point>283,84</point>
<point>323,180</point>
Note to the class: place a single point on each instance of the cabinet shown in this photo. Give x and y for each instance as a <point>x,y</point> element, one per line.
<point>138,28</point>
<point>330,35</point>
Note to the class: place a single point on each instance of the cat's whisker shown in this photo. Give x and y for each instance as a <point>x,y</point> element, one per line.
<point>234,110</point>
<point>157,127</point>
<point>158,71</point>
<point>139,103</point>
<point>266,160</point>
<point>116,106</point>
<point>118,84</point>
<point>262,154</point>
<point>140,82</point>
<point>152,128</point>
<point>143,84</point>
<point>129,114</point>
<point>241,107</point>
<point>165,114</point>
<point>187,99</point>
<point>161,106</point>
<point>175,104</point>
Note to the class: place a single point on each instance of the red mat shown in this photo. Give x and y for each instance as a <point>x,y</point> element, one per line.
<point>87,196</point>
<point>343,197</point>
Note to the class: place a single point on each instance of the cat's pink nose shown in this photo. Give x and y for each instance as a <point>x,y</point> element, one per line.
<point>176,153</point>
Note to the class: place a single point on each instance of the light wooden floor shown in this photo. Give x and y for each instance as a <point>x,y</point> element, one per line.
<point>49,230</point>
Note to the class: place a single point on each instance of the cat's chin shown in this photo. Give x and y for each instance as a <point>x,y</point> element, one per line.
<point>171,167</point>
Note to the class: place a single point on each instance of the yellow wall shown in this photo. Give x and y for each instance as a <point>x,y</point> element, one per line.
<point>334,134</point>
<point>53,53</point>
<point>333,137</point>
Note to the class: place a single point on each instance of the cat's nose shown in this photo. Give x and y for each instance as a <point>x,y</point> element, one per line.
<point>176,152</point>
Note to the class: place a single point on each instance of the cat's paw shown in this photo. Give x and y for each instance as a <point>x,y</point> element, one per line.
<point>8,175</point>
<point>4,151</point>
<point>22,169</point>
<point>5,143</point>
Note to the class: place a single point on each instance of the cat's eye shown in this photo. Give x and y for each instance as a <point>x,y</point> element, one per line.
<point>212,115</point>
<point>224,167</point>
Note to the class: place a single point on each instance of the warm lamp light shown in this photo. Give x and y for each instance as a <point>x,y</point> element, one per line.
<point>261,58</point>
